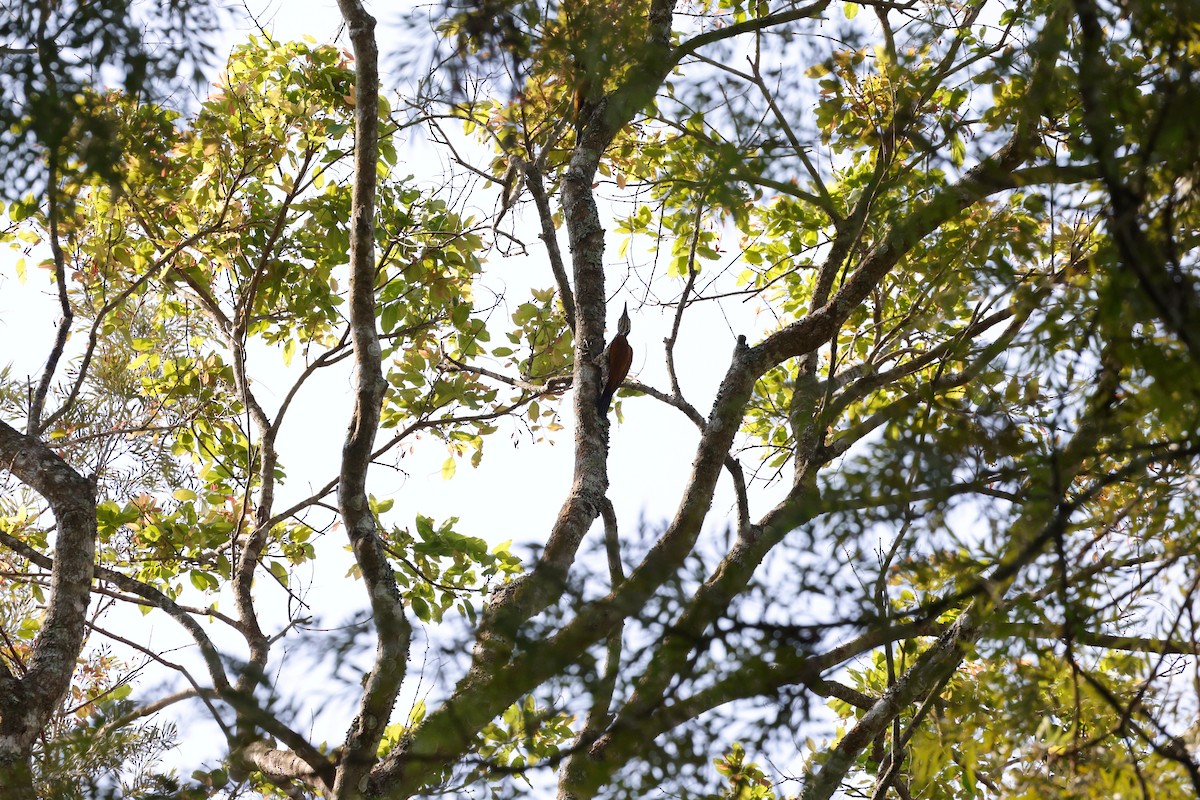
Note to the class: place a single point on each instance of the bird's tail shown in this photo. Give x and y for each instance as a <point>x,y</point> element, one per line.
<point>604,401</point>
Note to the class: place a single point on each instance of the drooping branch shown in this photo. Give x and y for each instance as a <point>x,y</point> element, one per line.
<point>825,200</point>
<point>240,699</point>
<point>197,690</point>
<point>148,595</point>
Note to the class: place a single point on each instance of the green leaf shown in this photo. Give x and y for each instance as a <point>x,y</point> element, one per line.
<point>420,608</point>
<point>279,570</point>
<point>28,628</point>
<point>199,579</point>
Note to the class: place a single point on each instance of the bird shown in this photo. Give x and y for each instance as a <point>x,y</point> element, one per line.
<point>618,358</point>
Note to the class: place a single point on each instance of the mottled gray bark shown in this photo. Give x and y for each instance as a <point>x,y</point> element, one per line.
<point>28,700</point>
<point>392,629</point>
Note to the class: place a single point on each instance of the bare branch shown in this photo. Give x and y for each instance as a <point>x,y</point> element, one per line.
<point>535,180</point>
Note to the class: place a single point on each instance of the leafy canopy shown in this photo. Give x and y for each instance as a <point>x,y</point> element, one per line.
<point>958,427</point>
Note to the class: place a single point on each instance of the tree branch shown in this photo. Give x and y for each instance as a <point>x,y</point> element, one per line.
<point>29,701</point>
<point>1027,534</point>
<point>392,629</point>
<point>537,188</point>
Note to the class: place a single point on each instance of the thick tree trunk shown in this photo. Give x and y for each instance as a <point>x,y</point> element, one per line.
<point>16,772</point>
<point>29,701</point>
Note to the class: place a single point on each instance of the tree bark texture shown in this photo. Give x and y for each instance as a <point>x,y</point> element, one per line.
<point>28,700</point>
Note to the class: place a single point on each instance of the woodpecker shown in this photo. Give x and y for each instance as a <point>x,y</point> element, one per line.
<point>618,357</point>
